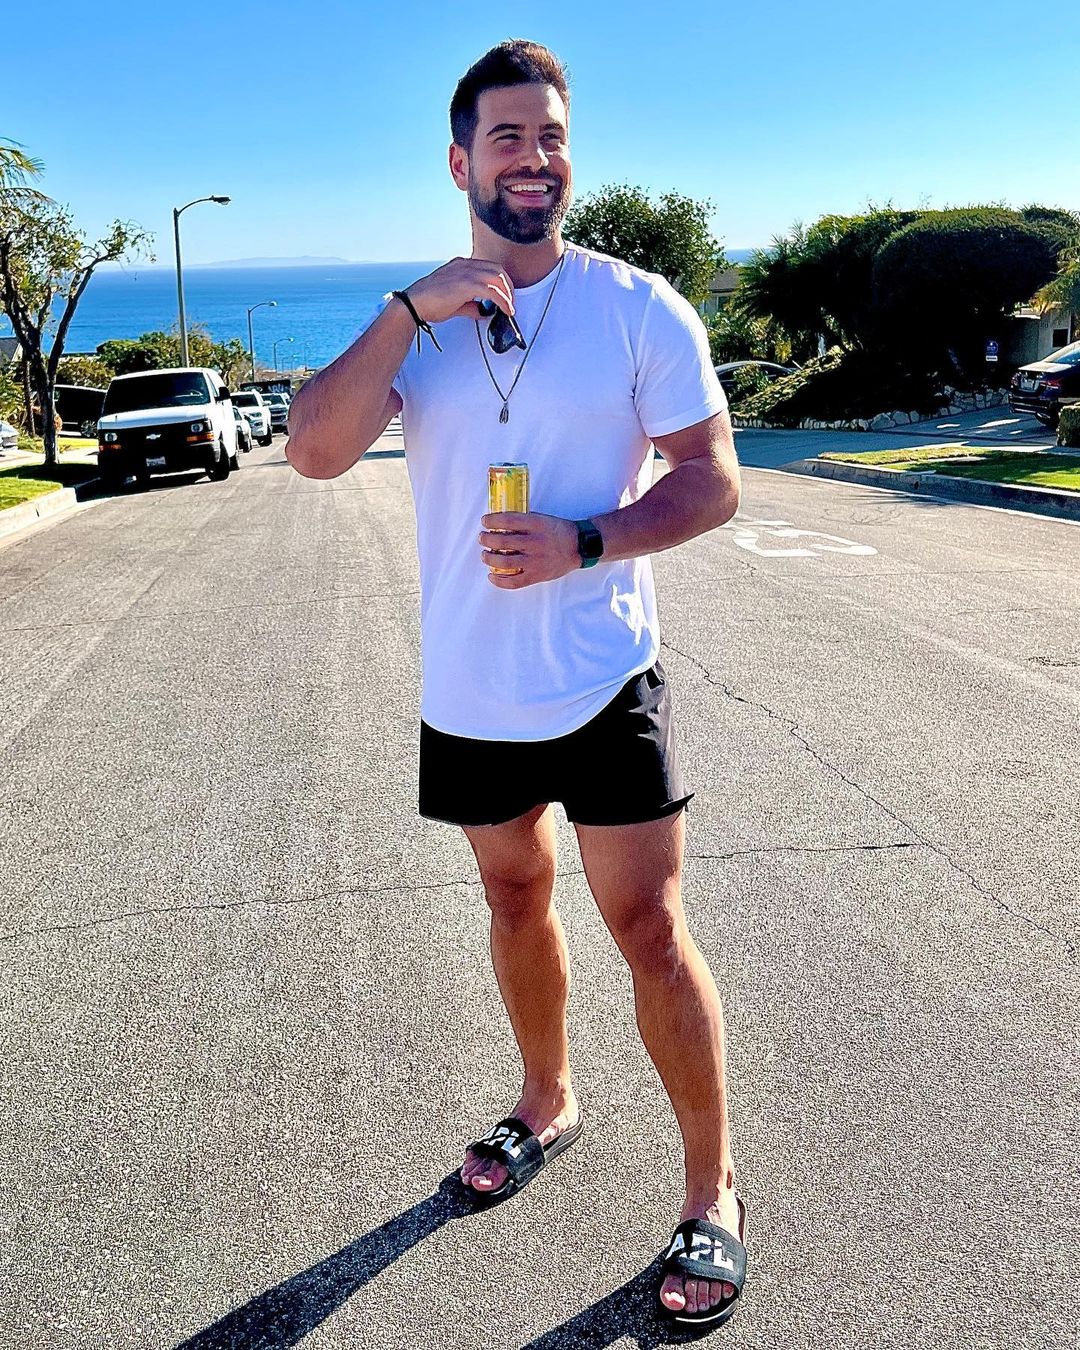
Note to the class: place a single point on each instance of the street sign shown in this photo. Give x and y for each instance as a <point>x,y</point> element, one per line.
<point>991,349</point>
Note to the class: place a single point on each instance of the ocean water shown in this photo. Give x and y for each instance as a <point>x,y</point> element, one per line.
<point>322,308</point>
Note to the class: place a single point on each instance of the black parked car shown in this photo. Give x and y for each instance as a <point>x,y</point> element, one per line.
<point>78,407</point>
<point>1043,388</point>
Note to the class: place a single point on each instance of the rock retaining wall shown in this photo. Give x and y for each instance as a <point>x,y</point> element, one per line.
<point>958,403</point>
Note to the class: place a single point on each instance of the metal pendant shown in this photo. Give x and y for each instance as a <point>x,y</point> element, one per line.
<point>504,416</point>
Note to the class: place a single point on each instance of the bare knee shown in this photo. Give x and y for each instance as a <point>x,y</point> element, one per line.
<point>520,894</point>
<point>651,933</point>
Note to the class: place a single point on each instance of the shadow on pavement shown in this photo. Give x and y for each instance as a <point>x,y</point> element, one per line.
<point>284,1315</point>
<point>281,1317</point>
<point>628,1312</point>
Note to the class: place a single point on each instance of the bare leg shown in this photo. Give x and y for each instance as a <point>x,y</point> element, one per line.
<point>635,872</point>
<point>528,951</point>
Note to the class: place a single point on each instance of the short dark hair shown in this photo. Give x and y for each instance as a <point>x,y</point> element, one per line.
<point>514,62</point>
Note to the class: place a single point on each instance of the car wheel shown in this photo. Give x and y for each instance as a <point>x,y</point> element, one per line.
<point>89,429</point>
<point>218,469</point>
<point>267,440</point>
<point>234,460</point>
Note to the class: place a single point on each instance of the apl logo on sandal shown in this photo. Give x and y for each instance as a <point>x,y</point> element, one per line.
<point>703,1248</point>
<point>502,1136</point>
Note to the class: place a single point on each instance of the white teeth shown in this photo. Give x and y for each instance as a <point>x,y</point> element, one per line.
<point>539,187</point>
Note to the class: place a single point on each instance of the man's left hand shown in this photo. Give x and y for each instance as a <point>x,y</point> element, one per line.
<point>544,548</point>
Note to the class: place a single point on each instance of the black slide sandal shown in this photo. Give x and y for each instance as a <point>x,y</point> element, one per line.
<point>700,1250</point>
<point>513,1144</point>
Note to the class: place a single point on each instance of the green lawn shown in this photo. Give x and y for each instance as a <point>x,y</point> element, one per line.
<point>27,481</point>
<point>1030,469</point>
<point>14,489</point>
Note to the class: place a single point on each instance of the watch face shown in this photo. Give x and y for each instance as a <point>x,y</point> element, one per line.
<point>590,541</point>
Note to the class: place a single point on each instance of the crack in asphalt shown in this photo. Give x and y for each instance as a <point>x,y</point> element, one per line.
<point>798,848</point>
<point>797,735</point>
<point>153,912</point>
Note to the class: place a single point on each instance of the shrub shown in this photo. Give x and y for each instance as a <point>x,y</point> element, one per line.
<point>842,385</point>
<point>749,380</point>
<point>1069,427</point>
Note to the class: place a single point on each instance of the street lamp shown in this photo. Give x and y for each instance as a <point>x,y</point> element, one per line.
<point>251,339</point>
<point>177,212</point>
<point>276,347</point>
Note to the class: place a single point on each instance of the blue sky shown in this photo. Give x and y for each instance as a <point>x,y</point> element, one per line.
<point>326,123</point>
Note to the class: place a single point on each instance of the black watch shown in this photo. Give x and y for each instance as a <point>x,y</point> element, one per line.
<point>590,543</point>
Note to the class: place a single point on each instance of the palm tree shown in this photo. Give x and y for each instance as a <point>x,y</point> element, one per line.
<point>1064,291</point>
<point>779,286</point>
<point>16,167</point>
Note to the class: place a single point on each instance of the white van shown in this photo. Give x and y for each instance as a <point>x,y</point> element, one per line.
<point>164,421</point>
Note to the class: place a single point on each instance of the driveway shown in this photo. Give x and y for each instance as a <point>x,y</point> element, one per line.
<point>989,426</point>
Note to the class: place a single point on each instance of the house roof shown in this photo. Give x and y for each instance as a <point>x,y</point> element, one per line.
<point>8,347</point>
<point>724,281</point>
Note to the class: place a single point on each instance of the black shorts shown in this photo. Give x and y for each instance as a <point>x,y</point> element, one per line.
<point>618,769</point>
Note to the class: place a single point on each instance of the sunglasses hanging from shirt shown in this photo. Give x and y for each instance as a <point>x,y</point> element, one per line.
<point>503,334</point>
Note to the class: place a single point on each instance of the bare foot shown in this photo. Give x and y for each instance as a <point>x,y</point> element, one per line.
<point>700,1295</point>
<point>547,1118</point>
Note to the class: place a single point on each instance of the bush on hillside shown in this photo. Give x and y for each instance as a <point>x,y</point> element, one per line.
<point>841,385</point>
<point>1069,428</point>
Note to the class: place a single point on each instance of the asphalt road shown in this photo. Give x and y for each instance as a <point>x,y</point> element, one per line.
<point>247,1021</point>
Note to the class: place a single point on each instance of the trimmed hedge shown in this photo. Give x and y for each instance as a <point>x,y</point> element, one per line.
<point>1069,427</point>
<point>841,385</point>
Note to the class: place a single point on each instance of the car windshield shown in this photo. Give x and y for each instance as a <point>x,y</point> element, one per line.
<point>246,400</point>
<point>276,398</point>
<point>180,390</point>
<point>1067,356</point>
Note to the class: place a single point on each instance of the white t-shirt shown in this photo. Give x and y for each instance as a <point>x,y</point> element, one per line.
<point>621,357</point>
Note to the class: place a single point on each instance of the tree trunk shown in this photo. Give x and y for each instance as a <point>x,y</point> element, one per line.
<point>28,398</point>
<point>43,390</point>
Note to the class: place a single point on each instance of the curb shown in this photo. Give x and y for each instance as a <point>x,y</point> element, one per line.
<point>1041,501</point>
<point>15,519</point>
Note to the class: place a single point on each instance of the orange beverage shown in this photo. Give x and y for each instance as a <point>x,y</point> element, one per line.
<point>508,490</point>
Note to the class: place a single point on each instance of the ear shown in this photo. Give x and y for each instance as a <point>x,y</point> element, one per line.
<point>459,167</point>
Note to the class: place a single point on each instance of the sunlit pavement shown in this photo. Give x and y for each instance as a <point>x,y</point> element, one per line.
<point>248,1022</point>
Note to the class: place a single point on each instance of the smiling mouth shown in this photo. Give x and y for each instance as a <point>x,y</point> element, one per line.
<point>530,191</point>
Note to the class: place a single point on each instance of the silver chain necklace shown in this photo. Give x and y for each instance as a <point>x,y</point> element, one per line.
<point>504,415</point>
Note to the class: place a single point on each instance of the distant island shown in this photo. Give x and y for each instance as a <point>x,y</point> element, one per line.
<point>306,261</point>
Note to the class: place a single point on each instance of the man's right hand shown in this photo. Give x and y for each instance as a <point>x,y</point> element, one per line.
<point>451,291</point>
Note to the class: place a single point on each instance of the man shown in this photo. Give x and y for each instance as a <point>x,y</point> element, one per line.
<point>540,633</point>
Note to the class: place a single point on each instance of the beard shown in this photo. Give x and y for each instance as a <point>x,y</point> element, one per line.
<point>521,224</point>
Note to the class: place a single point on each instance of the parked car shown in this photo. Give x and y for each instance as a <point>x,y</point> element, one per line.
<point>253,405</point>
<point>726,373</point>
<point>9,439</point>
<point>279,411</point>
<point>78,406</point>
<point>243,431</point>
<point>162,421</point>
<point>1043,388</point>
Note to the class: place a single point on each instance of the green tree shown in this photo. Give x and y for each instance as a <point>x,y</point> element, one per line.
<point>1063,292</point>
<point>88,371</point>
<point>816,284</point>
<point>159,350</point>
<point>946,282</point>
<point>44,257</point>
<point>670,236</point>
<point>736,336</point>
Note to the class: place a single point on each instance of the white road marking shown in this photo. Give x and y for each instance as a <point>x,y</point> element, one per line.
<point>748,532</point>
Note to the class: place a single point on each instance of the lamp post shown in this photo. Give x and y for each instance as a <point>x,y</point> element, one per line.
<point>276,347</point>
<point>177,212</point>
<point>251,339</point>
